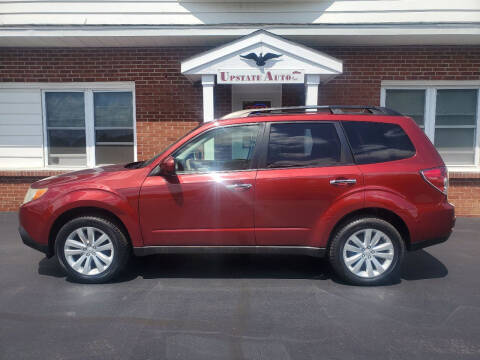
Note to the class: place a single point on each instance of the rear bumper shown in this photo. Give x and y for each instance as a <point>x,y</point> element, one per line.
<point>423,244</point>
<point>434,225</point>
<point>30,242</point>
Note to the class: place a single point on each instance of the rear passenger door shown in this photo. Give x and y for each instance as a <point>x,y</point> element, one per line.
<point>305,168</point>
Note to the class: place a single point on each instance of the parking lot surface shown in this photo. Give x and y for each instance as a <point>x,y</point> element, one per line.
<point>241,307</point>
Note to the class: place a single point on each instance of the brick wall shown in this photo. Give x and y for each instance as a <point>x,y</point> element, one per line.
<point>12,191</point>
<point>14,185</point>
<point>168,105</point>
<point>365,68</point>
<point>464,193</point>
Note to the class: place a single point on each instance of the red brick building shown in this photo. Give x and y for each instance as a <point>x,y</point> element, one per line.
<point>70,101</point>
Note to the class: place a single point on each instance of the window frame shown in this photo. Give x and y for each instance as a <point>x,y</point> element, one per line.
<point>88,90</point>
<point>345,155</point>
<point>431,88</point>
<point>255,156</point>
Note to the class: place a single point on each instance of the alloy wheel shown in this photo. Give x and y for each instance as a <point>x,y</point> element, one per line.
<point>368,253</point>
<point>89,250</point>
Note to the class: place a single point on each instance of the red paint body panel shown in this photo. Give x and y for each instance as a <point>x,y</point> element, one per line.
<point>296,206</point>
<point>198,209</point>
<point>297,199</point>
<point>112,188</point>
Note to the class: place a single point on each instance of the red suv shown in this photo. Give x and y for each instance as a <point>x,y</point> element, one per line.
<point>359,185</point>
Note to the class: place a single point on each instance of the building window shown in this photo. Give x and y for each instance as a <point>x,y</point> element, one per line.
<point>448,114</point>
<point>455,125</point>
<point>113,113</point>
<point>408,102</point>
<point>65,120</point>
<point>89,128</point>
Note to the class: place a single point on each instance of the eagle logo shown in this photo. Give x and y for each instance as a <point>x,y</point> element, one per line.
<point>262,59</point>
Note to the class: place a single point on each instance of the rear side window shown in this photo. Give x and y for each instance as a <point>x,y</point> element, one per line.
<point>303,144</point>
<point>374,142</point>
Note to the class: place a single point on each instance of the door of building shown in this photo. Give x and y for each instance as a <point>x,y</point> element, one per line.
<point>256,96</point>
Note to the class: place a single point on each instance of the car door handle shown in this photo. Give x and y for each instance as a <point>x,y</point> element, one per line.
<point>239,186</point>
<point>343,182</point>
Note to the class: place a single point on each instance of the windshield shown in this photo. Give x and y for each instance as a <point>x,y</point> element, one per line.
<point>148,162</point>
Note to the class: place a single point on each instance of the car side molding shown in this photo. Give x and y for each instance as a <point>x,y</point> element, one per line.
<point>286,250</point>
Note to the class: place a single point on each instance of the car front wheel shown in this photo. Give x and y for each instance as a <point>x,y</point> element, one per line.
<point>92,249</point>
<point>367,251</point>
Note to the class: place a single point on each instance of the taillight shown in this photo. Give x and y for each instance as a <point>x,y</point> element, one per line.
<point>437,177</point>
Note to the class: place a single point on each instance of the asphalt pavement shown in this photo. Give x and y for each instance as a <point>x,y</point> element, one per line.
<point>241,307</point>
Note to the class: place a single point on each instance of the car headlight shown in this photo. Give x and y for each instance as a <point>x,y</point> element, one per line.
<point>33,194</point>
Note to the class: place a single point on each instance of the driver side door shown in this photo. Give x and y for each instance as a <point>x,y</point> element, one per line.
<point>210,199</point>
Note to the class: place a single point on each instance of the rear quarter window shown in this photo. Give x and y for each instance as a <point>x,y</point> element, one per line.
<point>374,142</point>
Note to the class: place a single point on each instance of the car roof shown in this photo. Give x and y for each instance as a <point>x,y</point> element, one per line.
<point>309,113</point>
<point>309,109</point>
<point>308,117</point>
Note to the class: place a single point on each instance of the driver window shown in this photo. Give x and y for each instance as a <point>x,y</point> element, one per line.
<point>228,148</point>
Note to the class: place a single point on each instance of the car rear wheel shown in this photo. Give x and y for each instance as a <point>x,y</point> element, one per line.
<point>367,251</point>
<point>92,249</point>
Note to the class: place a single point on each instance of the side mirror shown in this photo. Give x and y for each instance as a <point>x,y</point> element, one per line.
<point>167,167</point>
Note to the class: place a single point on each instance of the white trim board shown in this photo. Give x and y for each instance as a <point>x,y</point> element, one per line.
<point>403,84</point>
<point>216,12</point>
<point>294,56</point>
<point>212,35</point>
<point>110,85</point>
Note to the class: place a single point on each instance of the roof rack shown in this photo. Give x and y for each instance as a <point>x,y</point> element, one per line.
<point>334,109</point>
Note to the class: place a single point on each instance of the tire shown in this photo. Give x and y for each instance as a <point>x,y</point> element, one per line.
<point>346,253</point>
<point>107,255</point>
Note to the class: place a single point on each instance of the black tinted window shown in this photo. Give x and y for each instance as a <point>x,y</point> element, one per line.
<point>303,144</point>
<point>377,142</point>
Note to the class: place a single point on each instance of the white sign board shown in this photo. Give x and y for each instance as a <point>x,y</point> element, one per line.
<point>260,76</point>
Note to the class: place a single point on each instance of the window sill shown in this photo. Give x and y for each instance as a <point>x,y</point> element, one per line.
<point>463,172</point>
<point>37,173</point>
<point>467,169</point>
<point>44,171</point>
<point>48,168</point>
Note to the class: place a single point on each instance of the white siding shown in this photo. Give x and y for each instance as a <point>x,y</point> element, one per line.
<point>21,134</point>
<point>150,12</point>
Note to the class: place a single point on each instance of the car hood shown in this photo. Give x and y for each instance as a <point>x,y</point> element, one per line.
<point>81,175</point>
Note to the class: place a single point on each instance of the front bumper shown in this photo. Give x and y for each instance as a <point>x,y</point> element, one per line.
<point>30,242</point>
